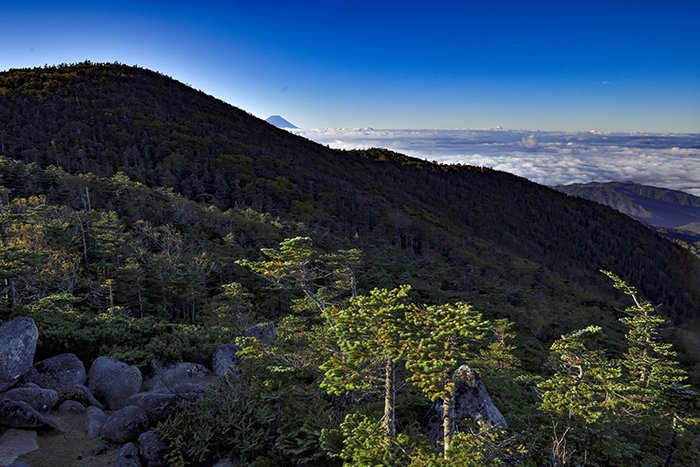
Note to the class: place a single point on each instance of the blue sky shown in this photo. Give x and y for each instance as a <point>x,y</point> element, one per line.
<point>565,65</point>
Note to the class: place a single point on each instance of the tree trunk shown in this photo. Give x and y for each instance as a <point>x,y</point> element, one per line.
<point>674,444</point>
<point>448,423</point>
<point>389,393</point>
<point>138,291</point>
<point>316,300</point>
<point>13,293</point>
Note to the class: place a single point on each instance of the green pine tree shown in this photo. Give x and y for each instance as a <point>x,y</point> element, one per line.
<point>440,339</point>
<point>370,338</point>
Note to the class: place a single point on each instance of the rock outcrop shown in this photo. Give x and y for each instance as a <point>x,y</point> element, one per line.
<point>132,406</point>
<point>17,346</point>
<point>225,360</point>
<point>263,331</point>
<point>472,401</point>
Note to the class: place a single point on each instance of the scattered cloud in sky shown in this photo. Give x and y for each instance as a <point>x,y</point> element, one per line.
<point>550,158</point>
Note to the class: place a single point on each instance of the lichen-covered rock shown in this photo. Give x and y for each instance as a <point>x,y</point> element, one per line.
<point>152,449</point>
<point>40,399</point>
<point>17,346</point>
<point>263,331</point>
<point>113,381</point>
<point>95,421</point>
<point>125,424</point>
<point>225,360</point>
<point>17,414</point>
<point>59,373</point>
<point>472,401</point>
<point>128,456</point>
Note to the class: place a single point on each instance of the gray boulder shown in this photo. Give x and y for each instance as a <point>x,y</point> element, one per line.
<point>17,346</point>
<point>472,401</point>
<point>17,414</point>
<point>225,360</point>
<point>95,421</point>
<point>113,381</point>
<point>169,378</point>
<point>128,456</point>
<point>125,424</point>
<point>157,405</point>
<point>81,392</point>
<point>71,407</point>
<point>152,449</point>
<point>14,443</point>
<point>39,399</point>
<point>59,373</point>
<point>263,331</point>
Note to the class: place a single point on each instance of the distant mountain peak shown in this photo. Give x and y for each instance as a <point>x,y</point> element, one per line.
<point>280,122</point>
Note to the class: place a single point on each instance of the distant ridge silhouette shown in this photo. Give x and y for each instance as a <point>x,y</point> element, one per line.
<point>650,205</point>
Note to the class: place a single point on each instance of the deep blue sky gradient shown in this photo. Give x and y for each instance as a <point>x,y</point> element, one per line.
<point>564,65</point>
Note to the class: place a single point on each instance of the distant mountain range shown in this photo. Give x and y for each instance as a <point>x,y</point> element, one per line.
<point>280,122</point>
<point>651,205</point>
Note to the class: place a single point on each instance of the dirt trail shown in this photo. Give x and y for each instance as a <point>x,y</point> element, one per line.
<point>70,447</point>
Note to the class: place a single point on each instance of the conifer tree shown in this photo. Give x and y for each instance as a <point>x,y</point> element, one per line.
<point>605,396</point>
<point>584,392</point>
<point>649,360</point>
<point>655,377</point>
<point>440,339</point>
<point>586,383</point>
<point>298,264</point>
<point>497,355</point>
<point>369,334</point>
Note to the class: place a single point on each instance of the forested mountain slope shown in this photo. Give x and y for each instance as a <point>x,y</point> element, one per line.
<point>508,245</point>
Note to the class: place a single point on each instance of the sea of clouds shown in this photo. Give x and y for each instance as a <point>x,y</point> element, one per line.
<point>550,158</point>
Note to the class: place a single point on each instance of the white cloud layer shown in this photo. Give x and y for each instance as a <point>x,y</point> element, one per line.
<point>550,158</point>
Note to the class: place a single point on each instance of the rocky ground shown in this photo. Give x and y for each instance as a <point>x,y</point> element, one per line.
<point>71,445</point>
<point>55,413</point>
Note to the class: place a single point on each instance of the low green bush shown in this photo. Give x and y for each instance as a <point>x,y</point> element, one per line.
<point>137,341</point>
